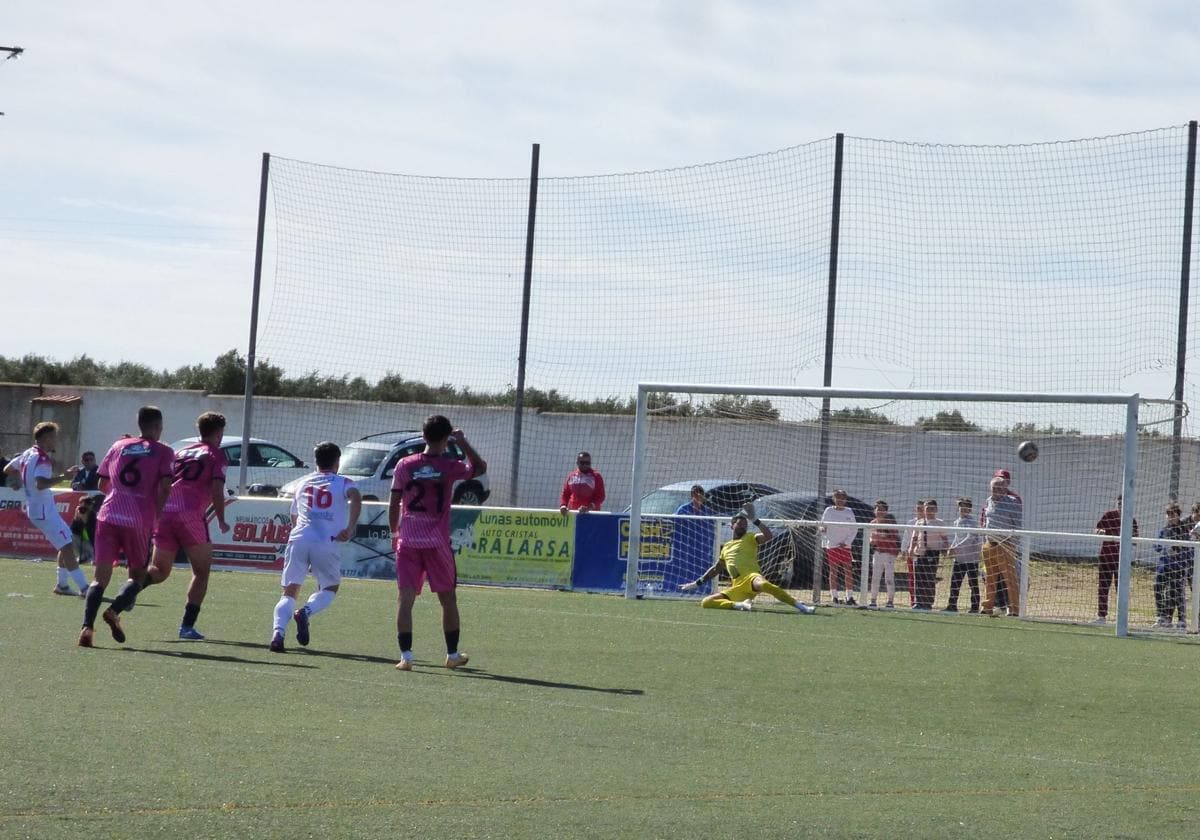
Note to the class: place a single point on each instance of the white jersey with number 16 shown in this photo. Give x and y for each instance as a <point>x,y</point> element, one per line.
<point>320,507</point>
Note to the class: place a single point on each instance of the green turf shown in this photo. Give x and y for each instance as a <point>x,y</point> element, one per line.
<point>585,716</point>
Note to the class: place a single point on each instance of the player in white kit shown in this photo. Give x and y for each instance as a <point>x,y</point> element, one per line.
<point>325,512</point>
<point>36,473</point>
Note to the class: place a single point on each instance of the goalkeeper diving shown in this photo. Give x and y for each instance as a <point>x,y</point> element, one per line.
<point>739,560</point>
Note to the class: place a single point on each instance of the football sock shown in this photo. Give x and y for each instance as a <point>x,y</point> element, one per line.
<point>779,593</point>
<point>80,579</point>
<point>318,601</point>
<point>405,640</point>
<point>190,613</point>
<point>283,613</point>
<point>95,597</point>
<point>126,595</point>
<point>452,641</point>
<point>62,578</point>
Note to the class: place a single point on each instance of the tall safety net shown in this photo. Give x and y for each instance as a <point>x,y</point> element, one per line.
<point>1045,267</point>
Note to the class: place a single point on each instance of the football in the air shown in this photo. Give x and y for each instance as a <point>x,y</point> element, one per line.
<point>1027,451</point>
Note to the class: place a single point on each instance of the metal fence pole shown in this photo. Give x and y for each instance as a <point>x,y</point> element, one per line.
<point>251,350</point>
<point>1185,272</point>
<point>519,405</point>
<point>827,381</point>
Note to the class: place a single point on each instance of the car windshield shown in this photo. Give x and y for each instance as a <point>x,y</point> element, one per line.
<point>361,461</point>
<point>665,501</point>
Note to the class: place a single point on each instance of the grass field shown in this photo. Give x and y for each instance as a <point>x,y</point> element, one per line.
<point>585,716</point>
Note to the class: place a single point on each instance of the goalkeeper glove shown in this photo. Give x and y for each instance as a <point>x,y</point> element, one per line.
<point>749,510</point>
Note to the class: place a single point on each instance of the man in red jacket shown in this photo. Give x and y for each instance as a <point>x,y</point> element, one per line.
<point>584,488</point>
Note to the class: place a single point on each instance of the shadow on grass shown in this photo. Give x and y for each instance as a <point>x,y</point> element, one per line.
<point>308,651</point>
<point>476,673</point>
<point>212,657</point>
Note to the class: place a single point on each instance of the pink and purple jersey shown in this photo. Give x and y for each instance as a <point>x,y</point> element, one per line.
<point>195,469</point>
<point>426,486</point>
<point>134,468</point>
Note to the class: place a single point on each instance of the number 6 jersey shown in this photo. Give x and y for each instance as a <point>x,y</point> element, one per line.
<point>426,485</point>
<point>320,507</point>
<point>134,468</point>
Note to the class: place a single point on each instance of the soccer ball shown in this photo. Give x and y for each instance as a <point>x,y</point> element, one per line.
<point>1028,451</point>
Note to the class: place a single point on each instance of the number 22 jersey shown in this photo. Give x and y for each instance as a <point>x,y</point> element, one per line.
<point>196,468</point>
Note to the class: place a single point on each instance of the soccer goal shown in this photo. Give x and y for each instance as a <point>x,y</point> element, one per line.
<point>787,449</point>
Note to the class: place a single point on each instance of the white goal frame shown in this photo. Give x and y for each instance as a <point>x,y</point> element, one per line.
<point>1130,401</point>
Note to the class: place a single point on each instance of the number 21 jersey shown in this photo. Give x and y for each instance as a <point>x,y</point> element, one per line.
<point>426,485</point>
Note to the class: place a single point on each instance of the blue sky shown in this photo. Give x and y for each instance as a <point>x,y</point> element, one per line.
<point>132,141</point>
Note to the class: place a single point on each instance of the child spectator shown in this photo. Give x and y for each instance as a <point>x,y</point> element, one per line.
<point>928,547</point>
<point>1173,561</point>
<point>839,527</point>
<point>965,550</point>
<point>907,542</point>
<point>885,545</point>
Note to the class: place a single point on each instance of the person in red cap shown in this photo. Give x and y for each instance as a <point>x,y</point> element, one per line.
<point>583,490</point>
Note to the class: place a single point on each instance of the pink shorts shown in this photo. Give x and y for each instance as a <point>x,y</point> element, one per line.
<point>414,564</point>
<point>175,532</point>
<point>839,556</point>
<point>113,540</point>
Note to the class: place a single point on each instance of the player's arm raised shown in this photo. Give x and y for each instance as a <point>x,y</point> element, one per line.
<point>477,462</point>
<point>764,534</point>
<point>355,498</point>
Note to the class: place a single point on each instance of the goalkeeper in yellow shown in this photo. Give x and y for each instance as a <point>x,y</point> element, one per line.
<point>739,559</point>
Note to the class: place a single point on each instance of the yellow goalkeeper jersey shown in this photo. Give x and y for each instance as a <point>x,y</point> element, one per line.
<point>741,556</point>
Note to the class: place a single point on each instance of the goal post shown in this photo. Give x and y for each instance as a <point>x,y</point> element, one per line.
<point>882,445</point>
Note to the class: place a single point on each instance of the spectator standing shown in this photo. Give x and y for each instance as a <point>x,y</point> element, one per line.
<point>583,490</point>
<point>929,546</point>
<point>1109,525</point>
<point>838,528</point>
<point>1173,560</point>
<point>907,545</point>
<point>1002,512</point>
<point>88,477</point>
<point>965,549</point>
<point>885,545</point>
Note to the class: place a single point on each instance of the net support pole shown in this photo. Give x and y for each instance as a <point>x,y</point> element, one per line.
<point>252,347</point>
<point>1128,502</point>
<point>1023,584</point>
<point>1185,273</point>
<point>827,379</point>
<point>865,567</point>
<point>640,420</point>
<point>519,404</point>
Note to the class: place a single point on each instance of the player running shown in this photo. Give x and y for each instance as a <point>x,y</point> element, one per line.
<point>319,522</point>
<point>739,559</point>
<point>135,476</point>
<point>35,472</point>
<point>419,517</point>
<point>199,482</point>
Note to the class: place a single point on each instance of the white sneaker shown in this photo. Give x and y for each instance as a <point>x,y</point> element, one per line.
<point>1182,625</point>
<point>1162,622</point>
<point>1099,621</point>
<point>744,606</point>
<point>805,609</point>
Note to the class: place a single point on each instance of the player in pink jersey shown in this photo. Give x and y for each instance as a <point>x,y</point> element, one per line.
<point>34,470</point>
<point>325,511</point>
<point>135,476</point>
<point>419,517</point>
<point>199,482</point>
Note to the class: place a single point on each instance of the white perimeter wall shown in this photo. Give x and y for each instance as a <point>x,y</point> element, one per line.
<point>1067,489</point>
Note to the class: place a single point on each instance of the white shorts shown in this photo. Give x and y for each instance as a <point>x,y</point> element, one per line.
<point>50,522</point>
<point>324,560</point>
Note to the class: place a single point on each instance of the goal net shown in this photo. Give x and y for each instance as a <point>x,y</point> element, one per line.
<point>789,449</point>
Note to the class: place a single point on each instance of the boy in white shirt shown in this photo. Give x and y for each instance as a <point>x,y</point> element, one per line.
<point>838,530</point>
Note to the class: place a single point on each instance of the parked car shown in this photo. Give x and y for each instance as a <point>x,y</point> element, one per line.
<point>269,466</point>
<point>371,461</point>
<point>787,559</point>
<point>722,495</point>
